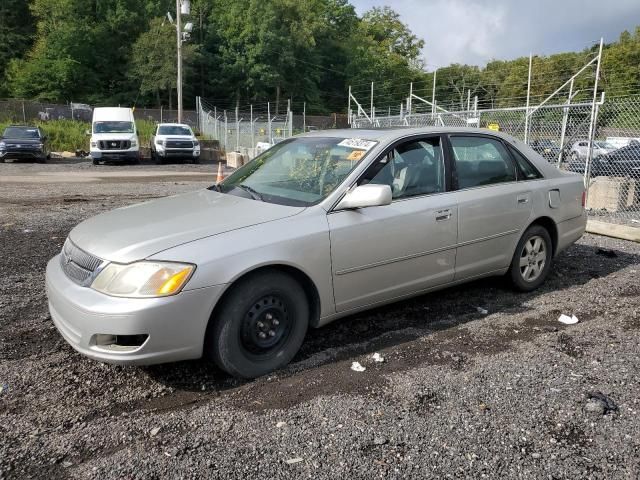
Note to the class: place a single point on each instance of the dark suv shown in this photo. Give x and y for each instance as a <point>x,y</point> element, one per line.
<point>22,142</point>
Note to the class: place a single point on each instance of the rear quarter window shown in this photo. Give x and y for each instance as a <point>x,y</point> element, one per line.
<point>526,168</point>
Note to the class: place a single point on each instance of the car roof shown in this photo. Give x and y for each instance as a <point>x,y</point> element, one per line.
<point>389,134</point>
<point>22,126</point>
<point>173,125</point>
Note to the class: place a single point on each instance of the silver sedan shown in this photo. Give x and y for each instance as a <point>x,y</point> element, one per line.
<point>316,228</point>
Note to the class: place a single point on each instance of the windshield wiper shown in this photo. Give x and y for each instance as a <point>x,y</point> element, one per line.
<point>254,194</point>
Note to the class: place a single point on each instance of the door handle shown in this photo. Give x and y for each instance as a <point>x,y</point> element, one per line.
<point>523,199</point>
<point>442,215</point>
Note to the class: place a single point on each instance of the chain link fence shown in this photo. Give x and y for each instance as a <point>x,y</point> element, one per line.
<point>560,134</point>
<point>251,129</point>
<point>27,111</point>
<point>248,130</point>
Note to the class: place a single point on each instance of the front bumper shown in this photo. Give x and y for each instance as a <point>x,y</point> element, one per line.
<point>178,153</point>
<point>118,156</point>
<point>23,154</point>
<point>175,325</point>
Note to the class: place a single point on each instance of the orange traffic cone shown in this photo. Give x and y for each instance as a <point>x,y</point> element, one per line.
<point>220,174</point>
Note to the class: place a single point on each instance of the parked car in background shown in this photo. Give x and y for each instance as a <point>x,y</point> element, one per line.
<point>623,162</point>
<point>580,149</point>
<point>174,141</point>
<point>548,149</point>
<point>21,142</point>
<point>318,227</point>
<point>114,136</point>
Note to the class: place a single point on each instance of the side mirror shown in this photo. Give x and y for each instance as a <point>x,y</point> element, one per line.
<point>366,196</point>
<point>87,132</point>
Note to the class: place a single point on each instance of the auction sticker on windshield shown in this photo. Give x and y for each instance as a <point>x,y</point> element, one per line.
<point>358,143</point>
<point>356,155</point>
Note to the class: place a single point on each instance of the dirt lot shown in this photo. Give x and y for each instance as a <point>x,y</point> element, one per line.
<point>461,393</point>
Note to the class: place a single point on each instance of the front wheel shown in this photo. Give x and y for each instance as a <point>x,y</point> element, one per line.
<point>532,259</point>
<point>259,326</point>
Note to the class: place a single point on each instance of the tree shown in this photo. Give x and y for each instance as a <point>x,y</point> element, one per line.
<point>16,33</point>
<point>153,59</point>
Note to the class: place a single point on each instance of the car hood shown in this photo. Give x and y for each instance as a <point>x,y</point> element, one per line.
<point>176,137</point>
<point>138,231</point>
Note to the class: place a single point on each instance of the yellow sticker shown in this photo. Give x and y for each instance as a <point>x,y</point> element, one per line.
<point>356,155</point>
<point>494,126</point>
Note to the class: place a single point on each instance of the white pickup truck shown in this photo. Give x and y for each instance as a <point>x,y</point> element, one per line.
<point>174,141</point>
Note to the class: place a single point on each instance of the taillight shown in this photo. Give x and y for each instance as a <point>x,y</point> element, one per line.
<point>584,198</point>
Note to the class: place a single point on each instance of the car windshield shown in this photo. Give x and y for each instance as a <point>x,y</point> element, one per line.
<point>174,130</point>
<point>605,145</point>
<point>113,127</point>
<point>297,172</point>
<point>20,132</point>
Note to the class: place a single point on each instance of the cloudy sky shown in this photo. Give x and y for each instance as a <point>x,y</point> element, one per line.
<point>476,31</point>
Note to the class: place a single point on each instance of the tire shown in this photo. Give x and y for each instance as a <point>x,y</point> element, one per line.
<point>196,160</point>
<point>96,161</point>
<point>532,259</point>
<point>251,309</point>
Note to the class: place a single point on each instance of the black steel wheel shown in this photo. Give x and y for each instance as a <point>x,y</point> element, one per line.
<point>259,325</point>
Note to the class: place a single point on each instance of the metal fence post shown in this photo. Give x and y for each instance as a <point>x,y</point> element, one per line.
<point>269,121</point>
<point>253,140</point>
<point>592,122</point>
<point>237,131</point>
<point>526,114</point>
<point>371,111</point>
<point>433,94</point>
<point>225,131</point>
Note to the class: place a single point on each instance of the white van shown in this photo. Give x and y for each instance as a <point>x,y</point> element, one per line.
<point>114,136</point>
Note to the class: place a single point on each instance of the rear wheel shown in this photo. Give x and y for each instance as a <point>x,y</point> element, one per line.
<point>532,259</point>
<point>260,325</point>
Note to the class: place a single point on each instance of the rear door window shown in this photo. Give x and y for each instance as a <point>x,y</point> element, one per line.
<point>481,161</point>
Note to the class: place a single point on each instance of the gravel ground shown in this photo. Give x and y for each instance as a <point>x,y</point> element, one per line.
<point>510,393</point>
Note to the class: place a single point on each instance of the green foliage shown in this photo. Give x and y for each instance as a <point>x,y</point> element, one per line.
<point>146,129</point>
<point>112,52</point>
<point>70,135</point>
<point>16,29</point>
<point>63,135</point>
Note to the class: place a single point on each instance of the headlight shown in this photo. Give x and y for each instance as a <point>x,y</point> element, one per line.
<point>94,144</point>
<point>3,145</point>
<point>196,143</point>
<point>159,141</point>
<point>134,143</point>
<point>40,145</point>
<point>143,279</point>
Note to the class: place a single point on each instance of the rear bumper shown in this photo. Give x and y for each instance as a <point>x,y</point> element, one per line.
<point>175,325</point>
<point>570,231</point>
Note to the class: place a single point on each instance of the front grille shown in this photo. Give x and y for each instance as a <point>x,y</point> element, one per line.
<point>114,144</point>
<point>179,144</point>
<point>77,264</point>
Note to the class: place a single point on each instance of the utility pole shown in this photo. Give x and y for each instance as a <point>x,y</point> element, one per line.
<point>179,37</point>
